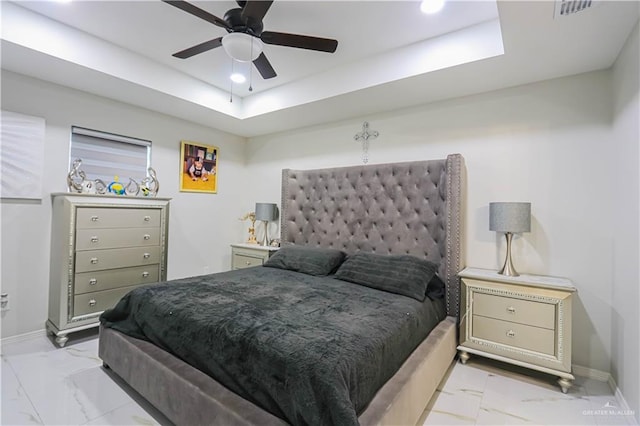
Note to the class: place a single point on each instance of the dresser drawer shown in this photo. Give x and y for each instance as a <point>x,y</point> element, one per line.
<point>511,309</point>
<point>91,239</point>
<point>86,282</point>
<point>96,260</point>
<point>244,261</point>
<point>98,301</point>
<point>512,334</point>
<point>106,217</point>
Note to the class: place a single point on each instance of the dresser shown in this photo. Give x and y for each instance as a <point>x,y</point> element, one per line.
<point>102,247</point>
<point>248,255</point>
<point>524,320</point>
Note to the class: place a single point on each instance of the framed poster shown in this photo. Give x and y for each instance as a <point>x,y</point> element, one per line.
<point>22,159</point>
<point>198,167</point>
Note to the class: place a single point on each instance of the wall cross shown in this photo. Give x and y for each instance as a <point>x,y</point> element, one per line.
<point>364,137</point>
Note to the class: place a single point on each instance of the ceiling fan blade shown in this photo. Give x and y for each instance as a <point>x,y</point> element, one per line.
<point>255,10</point>
<point>264,67</point>
<point>300,41</point>
<point>196,11</point>
<point>199,48</point>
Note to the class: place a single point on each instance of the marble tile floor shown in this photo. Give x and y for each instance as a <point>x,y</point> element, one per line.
<point>44,384</point>
<point>487,392</point>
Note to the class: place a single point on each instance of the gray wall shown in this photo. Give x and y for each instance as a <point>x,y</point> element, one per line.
<point>625,324</point>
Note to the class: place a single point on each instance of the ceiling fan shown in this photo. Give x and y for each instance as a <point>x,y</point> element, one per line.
<point>246,36</point>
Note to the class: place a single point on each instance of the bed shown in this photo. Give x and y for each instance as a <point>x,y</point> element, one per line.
<point>402,211</point>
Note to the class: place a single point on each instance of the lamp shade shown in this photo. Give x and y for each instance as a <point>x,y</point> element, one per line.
<point>242,47</point>
<point>266,211</point>
<point>510,217</point>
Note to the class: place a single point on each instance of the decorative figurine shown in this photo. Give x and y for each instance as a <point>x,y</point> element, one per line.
<point>132,188</point>
<point>88,187</point>
<point>76,177</point>
<point>100,186</point>
<point>116,187</point>
<point>150,185</point>
<point>252,229</point>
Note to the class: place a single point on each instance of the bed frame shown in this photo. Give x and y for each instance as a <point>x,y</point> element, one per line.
<point>400,208</point>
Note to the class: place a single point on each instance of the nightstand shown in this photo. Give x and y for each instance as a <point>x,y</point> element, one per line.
<point>248,255</point>
<point>524,320</point>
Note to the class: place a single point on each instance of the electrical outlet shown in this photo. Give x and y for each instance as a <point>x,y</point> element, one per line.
<point>4,302</point>
<point>205,269</point>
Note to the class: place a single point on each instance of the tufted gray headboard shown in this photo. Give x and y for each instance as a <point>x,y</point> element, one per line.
<point>400,208</point>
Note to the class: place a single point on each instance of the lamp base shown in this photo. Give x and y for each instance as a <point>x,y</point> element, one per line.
<point>507,268</point>
<point>265,242</point>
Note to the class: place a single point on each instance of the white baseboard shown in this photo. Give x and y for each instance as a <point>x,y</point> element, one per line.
<point>592,373</point>
<point>23,337</point>
<point>603,376</point>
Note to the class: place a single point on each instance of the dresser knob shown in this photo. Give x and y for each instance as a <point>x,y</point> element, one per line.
<point>92,302</point>
<point>145,274</point>
<point>94,260</point>
<point>147,236</point>
<point>94,239</point>
<point>146,255</point>
<point>248,262</point>
<point>93,281</point>
<point>94,218</point>
<point>511,333</point>
<point>511,310</point>
<point>147,218</point>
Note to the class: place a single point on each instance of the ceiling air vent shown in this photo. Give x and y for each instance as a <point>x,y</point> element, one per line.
<point>569,7</point>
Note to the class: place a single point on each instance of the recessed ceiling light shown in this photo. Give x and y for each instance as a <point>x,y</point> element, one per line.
<point>64,1</point>
<point>431,6</point>
<point>238,78</point>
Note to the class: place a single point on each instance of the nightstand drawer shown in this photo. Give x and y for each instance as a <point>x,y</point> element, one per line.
<point>537,314</point>
<point>517,335</point>
<point>243,261</point>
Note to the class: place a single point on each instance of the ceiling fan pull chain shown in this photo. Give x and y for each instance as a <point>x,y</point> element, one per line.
<point>251,69</point>
<point>231,90</point>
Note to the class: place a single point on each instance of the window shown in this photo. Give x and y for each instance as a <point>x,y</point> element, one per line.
<point>105,155</point>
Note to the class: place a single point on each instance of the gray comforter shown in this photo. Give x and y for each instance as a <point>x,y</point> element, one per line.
<point>311,350</point>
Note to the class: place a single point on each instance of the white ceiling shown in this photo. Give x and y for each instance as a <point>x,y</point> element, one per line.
<point>389,55</point>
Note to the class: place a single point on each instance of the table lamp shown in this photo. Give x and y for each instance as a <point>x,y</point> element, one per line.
<point>509,218</point>
<point>266,212</point>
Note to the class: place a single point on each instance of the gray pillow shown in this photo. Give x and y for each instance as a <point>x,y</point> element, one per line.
<point>308,260</point>
<point>399,274</point>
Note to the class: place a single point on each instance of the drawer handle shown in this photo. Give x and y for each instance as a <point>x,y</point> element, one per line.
<point>145,274</point>
<point>93,281</point>
<point>147,237</point>
<point>146,255</point>
<point>94,218</point>
<point>92,302</point>
<point>511,333</point>
<point>94,239</point>
<point>147,218</point>
<point>94,260</point>
<point>511,310</point>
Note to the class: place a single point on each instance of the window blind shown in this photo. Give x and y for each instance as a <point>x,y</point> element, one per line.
<point>106,155</point>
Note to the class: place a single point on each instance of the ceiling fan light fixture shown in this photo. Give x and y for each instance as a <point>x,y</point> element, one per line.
<point>236,77</point>
<point>239,46</point>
